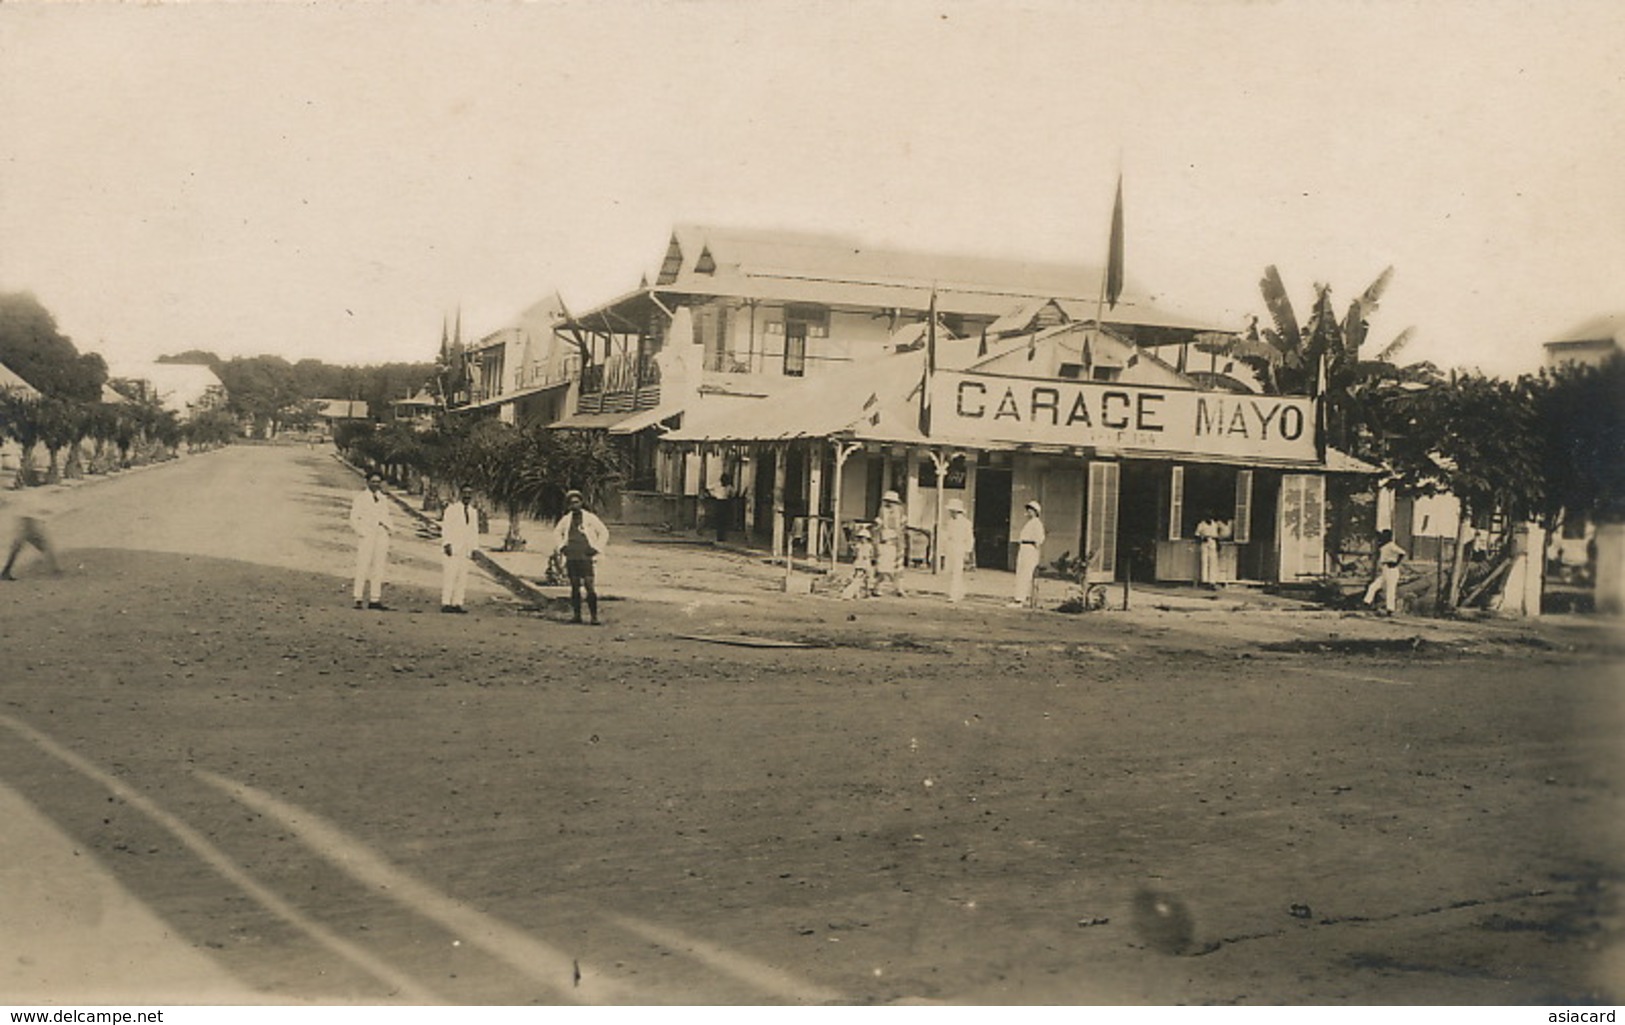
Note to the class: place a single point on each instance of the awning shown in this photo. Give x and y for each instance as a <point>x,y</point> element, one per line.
<point>588,421</point>
<point>646,419</point>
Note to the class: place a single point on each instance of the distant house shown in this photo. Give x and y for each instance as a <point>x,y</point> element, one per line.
<point>1588,344</point>
<point>11,453</point>
<point>332,412</point>
<point>185,389</point>
<point>416,410</point>
<point>10,382</point>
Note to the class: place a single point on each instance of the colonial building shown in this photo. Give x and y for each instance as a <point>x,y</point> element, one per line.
<point>752,314</point>
<point>523,372</point>
<point>1125,454</point>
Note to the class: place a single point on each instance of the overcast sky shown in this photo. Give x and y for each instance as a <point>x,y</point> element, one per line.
<point>333,180</point>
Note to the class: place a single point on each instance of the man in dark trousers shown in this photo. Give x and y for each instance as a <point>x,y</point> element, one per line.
<point>581,537</point>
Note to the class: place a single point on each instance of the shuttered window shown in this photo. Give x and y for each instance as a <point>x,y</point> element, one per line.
<point>1242,529</point>
<point>1176,502</point>
<point>1101,528</point>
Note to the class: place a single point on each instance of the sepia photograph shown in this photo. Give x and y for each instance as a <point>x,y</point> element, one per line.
<point>926,505</point>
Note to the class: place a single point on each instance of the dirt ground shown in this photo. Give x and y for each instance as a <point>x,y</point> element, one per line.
<point>919,804</point>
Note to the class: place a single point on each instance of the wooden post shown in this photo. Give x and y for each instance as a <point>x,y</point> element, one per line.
<point>815,494</point>
<point>781,539</point>
<point>941,462</point>
<point>841,454</point>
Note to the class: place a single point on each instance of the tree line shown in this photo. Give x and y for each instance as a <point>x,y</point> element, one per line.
<point>519,470</point>
<point>68,417</point>
<point>1543,447</point>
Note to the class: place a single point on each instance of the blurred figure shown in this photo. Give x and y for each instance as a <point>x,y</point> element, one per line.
<point>370,519</point>
<point>891,543</point>
<point>582,537</point>
<point>958,548</point>
<point>459,536</point>
<point>862,584</point>
<point>1163,922</point>
<point>23,513</point>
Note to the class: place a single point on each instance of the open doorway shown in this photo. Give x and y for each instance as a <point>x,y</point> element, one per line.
<point>992,519</point>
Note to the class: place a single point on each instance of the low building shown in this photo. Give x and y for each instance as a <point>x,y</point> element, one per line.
<point>185,389</point>
<point>1589,343</point>
<point>11,453</point>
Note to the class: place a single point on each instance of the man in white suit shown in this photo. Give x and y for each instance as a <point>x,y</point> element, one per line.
<point>370,519</point>
<point>459,536</point>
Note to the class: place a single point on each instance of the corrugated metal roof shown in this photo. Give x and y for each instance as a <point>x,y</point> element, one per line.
<point>590,421</point>
<point>648,418</point>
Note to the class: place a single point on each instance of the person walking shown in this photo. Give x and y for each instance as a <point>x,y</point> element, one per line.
<point>371,521</point>
<point>891,543</point>
<point>24,514</point>
<point>581,537</point>
<point>1028,551</point>
<point>459,536</point>
<point>958,548</point>
<point>1389,556</point>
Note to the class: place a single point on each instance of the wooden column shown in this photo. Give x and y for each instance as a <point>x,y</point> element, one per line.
<point>815,494</point>
<point>941,462</point>
<point>781,453</point>
<point>835,537</point>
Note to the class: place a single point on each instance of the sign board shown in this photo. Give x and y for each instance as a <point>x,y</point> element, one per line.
<point>1129,419</point>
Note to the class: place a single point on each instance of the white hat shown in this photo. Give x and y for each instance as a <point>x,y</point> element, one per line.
<point>1037,509</point>
<point>956,505</point>
<point>891,496</point>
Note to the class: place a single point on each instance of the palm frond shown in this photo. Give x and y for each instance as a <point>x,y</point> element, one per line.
<point>1287,336</point>
<point>1393,348</point>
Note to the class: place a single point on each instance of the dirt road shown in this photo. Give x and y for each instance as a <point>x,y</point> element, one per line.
<point>923,804</point>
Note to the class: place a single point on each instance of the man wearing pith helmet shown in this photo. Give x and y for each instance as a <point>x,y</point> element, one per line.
<point>1028,555</point>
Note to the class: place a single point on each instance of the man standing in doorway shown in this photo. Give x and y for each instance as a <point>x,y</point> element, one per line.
<point>721,495</point>
<point>370,519</point>
<point>1207,547</point>
<point>581,536</point>
<point>1027,557</point>
<point>459,536</point>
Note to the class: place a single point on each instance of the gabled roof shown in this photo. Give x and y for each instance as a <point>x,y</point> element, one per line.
<point>839,270</point>
<point>10,381</point>
<point>1045,352</point>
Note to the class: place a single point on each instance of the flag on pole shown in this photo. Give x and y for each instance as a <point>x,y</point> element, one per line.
<point>1320,407</point>
<point>930,363</point>
<point>1114,256</point>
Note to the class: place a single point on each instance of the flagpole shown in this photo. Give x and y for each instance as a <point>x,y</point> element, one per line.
<point>1111,278</point>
